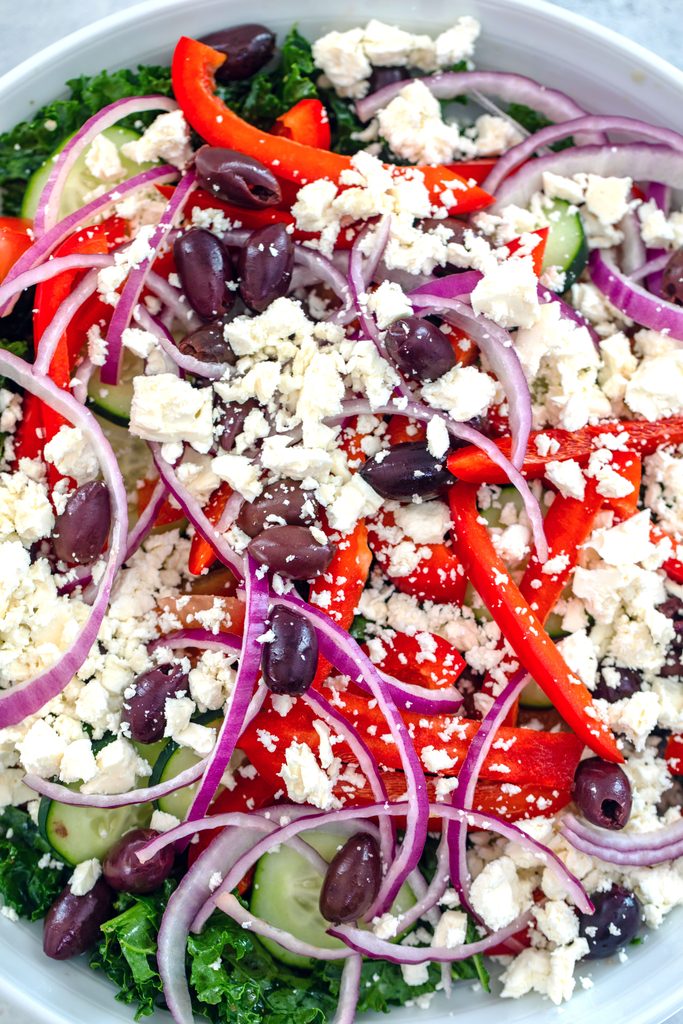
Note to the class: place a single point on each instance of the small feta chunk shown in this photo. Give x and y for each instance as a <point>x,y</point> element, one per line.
<point>168,409</point>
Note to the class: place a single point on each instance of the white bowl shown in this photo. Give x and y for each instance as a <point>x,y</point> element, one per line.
<point>602,71</point>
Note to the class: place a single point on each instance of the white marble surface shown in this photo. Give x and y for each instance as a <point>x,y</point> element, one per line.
<point>29,25</point>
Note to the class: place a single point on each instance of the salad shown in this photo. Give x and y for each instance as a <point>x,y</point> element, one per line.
<point>341,523</point>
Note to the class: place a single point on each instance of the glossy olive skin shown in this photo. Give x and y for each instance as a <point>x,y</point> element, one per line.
<point>381,77</point>
<point>232,417</point>
<point>291,551</point>
<point>406,470</point>
<point>285,499</point>
<point>352,880</point>
<point>266,264</point>
<point>289,661</point>
<point>144,712</point>
<point>237,178</point>
<point>630,682</point>
<point>208,344</point>
<point>603,793</point>
<point>617,907</point>
<point>124,871</point>
<point>420,350</point>
<point>81,530</point>
<point>672,278</point>
<point>204,267</point>
<point>72,924</point>
<point>247,48</point>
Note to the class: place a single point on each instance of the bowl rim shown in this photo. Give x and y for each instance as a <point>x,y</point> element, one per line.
<point>145,11</point>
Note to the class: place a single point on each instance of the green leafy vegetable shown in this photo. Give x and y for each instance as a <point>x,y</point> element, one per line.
<point>29,144</point>
<point>358,628</point>
<point>533,122</point>
<point>30,875</point>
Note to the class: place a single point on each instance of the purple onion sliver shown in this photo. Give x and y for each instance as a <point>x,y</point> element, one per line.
<point>189,364</point>
<point>145,794</point>
<point>634,301</point>
<point>667,835</point>
<point>234,909</point>
<point>653,266</point>
<point>349,991</point>
<point>46,271</point>
<point>66,311</point>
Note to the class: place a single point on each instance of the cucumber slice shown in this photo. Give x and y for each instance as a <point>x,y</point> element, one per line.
<point>175,759</point>
<point>566,247</point>
<point>80,182</point>
<point>113,401</point>
<point>532,696</point>
<point>286,891</point>
<point>80,833</point>
<point>507,495</point>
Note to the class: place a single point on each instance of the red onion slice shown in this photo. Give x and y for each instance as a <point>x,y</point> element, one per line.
<point>48,204</point>
<point>497,346</point>
<point>652,267</point>
<point>349,991</point>
<point>256,613</point>
<point>635,857</point>
<point>189,364</point>
<point>632,248</point>
<point>661,196</point>
<point>173,300</point>
<point>463,432</point>
<point>135,282</point>
<point>234,909</point>
<point>666,836</point>
<point>29,697</point>
<point>510,88</point>
<point>520,153</point>
<point>639,161</point>
<point>633,300</point>
<point>361,272</point>
<point>10,289</point>
<point>195,513</point>
<point>61,320</point>
<point>325,271</point>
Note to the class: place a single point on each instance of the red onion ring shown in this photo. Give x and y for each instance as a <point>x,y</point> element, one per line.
<point>361,272</point>
<point>234,909</point>
<point>666,836</point>
<point>628,858</point>
<point>633,300</point>
<point>61,320</point>
<point>349,991</point>
<point>520,153</point>
<point>661,196</point>
<point>48,204</point>
<point>9,289</point>
<point>135,282</point>
<point>29,697</point>
<point>652,267</point>
<point>173,299</point>
<point>189,364</point>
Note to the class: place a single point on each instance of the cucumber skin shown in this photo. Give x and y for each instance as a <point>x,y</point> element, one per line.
<point>65,847</point>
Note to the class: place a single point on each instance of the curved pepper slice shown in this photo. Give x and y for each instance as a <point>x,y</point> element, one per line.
<point>643,437</point>
<point>425,659</point>
<point>521,627</point>
<point>202,554</point>
<point>193,69</point>
<point>306,122</point>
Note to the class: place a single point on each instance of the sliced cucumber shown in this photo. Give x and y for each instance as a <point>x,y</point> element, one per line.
<point>80,182</point>
<point>532,696</point>
<point>113,401</point>
<point>507,495</point>
<point>173,760</point>
<point>566,247</point>
<point>286,891</point>
<point>80,833</point>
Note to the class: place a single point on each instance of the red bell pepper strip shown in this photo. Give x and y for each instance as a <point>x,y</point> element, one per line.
<point>630,467</point>
<point>673,567</point>
<point>202,555</point>
<point>402,430</point>
<point>337,591</point>
<point>424,659</point>
<point>306,122</point>
<point>437,577</point>
<point>241,216</point>
<point>168,514</point>
<point>250,794</point>
<point>521,627</point>
<point>473,466</point>
<point>14,241</point>
<point>673,753</point>
<point>537,253</point>
<point>474,170</point>
<point>523,756</point>
<point>192,71</point>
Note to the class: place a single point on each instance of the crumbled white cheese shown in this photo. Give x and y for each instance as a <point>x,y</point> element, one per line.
<point>85,876</point>
<point>73,455</point>
<point>168,409</point>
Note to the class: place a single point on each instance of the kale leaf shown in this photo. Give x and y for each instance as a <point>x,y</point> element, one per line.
<point>31,876</point>
<point>533,122</point>
<point>24,148</point>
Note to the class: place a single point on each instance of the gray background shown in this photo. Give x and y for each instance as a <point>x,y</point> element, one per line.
<point>29,25</point>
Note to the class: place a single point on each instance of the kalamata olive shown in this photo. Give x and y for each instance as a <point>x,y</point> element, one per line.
<point>81,530</point>
<point>615,922</point>
<point>232,420</point>
<point>672,278</point>
<point>352,880</point>
<point>615,682</point>
<point>72,924</point>
<point>420,350</point>
<point>381,77</point>
<point>144,712</point>
<point>672,608</point>
<point>290,659</point>
<point>247,49</point>
<point>266,263</point>
<point>204,268</point>
<point>235,177</point>
<point>603,793</point>
<point>406,470</point>
<point>125,872</point>
<point>208,344</point>
<point>282,503</point>
<point>291,551</point>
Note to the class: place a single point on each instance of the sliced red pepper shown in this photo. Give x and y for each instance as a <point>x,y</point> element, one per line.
<point>521,627</point>
<point>474,170</point>
<point>438,577</point>
<point>537,253</point>
<point>187,607</point>
<point>168,515</point>
<point>424,659</point>
<point>630,467</point>
<point>306,122</point>
<point>202,554</point>
<point>673,567</point>
<point>250,794</point>
<point>402,430</point>
<point>193,70</point>
<point>474,466</point>
<point>337,591</point>
<point>241,216</point>
<point>547,759</point>
<point>14,241</point>
<point>673,753</point>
